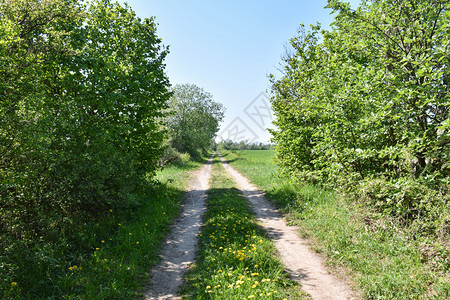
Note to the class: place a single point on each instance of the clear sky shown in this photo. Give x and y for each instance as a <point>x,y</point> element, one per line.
<point>229,48</point>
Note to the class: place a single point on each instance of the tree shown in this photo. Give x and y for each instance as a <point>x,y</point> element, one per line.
<point>193,119</point>
<point>372,96</point>
<point>81,92</point>
<point>370,99</point>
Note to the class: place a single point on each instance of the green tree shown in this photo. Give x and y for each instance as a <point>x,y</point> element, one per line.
<point>82,89</point>
<point>193,119</point>
<point>370,99</point>
<point>35,48</point>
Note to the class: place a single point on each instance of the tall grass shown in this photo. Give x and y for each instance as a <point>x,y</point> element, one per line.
<point>378,255</point>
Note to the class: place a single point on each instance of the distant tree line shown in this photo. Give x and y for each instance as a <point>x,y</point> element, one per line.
<point>365,106</point>
<point>242,145</point>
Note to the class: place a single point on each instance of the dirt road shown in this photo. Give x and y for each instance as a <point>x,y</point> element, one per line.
<point>304,265</point>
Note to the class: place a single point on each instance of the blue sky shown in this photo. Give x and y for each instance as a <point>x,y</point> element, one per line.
<point>229,48</point>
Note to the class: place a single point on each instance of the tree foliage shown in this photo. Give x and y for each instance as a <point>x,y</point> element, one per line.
<point>193,119</point>
<point>370,99</point>
<point>81,90</point>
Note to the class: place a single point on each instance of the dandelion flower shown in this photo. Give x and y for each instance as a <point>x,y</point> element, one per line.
<point>13,283</point>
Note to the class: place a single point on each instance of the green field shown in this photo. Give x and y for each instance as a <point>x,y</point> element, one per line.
<point>379,257</point>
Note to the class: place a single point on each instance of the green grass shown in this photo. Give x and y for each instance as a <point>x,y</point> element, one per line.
<point>235,259</point>
<point>378,256</point>
<point>110,258</point>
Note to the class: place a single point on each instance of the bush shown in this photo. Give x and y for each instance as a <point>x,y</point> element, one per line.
<point>414,204</point>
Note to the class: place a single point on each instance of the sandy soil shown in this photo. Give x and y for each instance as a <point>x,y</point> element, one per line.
<point>304,265</point>
<point>179,250</point>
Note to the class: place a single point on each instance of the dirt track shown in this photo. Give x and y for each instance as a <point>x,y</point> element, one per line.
<point>179,251</point>
<point>304,265</point>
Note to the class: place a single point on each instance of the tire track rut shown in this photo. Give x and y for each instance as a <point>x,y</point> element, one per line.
<point>179,250</point>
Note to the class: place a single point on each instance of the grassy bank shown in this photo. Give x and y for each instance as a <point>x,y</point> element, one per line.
<point>377,254</point>
<point>236,260</point>
<point>107,259</point>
